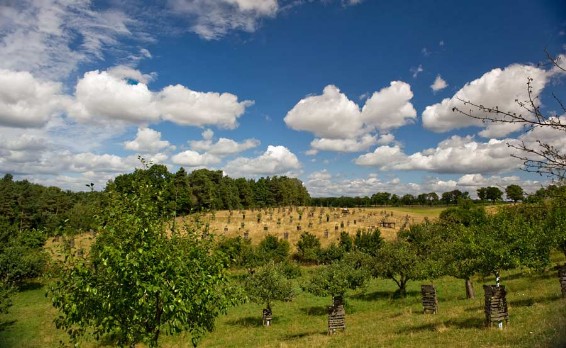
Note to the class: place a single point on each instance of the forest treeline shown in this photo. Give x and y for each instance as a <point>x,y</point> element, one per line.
<point>26,206</point>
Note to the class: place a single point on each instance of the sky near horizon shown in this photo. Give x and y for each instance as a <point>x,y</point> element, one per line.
<point>352,97</point>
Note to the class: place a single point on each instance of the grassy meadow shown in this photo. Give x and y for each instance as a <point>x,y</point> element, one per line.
<point>375,317</point>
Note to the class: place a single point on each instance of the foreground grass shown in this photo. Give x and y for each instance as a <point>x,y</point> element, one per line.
<point>374,319</point>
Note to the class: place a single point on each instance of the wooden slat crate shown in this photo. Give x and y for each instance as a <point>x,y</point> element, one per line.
<point>495,304</point>
<point>336,316</point>
<point>430,301</point>
<point>562,278</point>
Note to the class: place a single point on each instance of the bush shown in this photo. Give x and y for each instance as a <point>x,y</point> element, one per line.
<point>308,248</point>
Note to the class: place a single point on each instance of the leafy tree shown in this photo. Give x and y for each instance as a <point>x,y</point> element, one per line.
<point>138,282</point>
<point>239,252</point>
<point>346,241</point>
<point>482,193</point>
<point>399,261</point>
<point>514,193</point>
<point>336,279</point>
<point>330,254</point>
<point>268,284</point>
<point>22,256</point>
<point>273,249</point>
<point>493,193</point>
<point>465,214</point>
<point>368,242</point>
<point>308,248</point>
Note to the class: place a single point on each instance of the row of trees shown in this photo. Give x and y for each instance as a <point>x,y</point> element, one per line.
<point>513,192</point>
<point>205,189</point>
<point>464,242</point>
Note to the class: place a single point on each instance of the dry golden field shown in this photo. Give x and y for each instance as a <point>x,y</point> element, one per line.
<point>326,223</point>
<point>292,221</point>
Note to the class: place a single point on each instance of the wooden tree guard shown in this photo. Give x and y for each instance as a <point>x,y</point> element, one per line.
<point>336,316</point>
<point>430,301</point>
<point>562,278</point>
<point>267,317</point>
<point>495,304</point>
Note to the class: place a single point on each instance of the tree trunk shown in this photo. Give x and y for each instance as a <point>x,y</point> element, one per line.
<point>469,289</point>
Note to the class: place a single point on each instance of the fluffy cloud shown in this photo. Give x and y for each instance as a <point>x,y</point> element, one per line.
<point>343,145</point>
<point>147,141</point>
<point>438,84</point>
<point>330,115</point>
<point>390,107</point>
<point>183,106</point>
<point>214,19</point>
<point>191,158</point>
<point>26,101</point>
<point>382,157</point>
<point>340,125</point>
<point>223,146</point>
<point>454,155</point>
<point>277,160</point>
<point>499,87</point>
<point>102,96</point>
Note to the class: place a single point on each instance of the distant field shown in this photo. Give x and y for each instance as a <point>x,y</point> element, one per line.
<point>277,221</point>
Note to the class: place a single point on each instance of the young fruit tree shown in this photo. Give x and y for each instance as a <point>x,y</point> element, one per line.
<point>141,280</point>
<point>268,284</point>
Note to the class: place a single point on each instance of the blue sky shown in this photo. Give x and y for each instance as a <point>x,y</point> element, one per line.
<point>352,97</point>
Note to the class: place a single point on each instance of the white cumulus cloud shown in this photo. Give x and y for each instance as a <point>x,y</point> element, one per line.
<point>438,84</point>
<point>147,141</point>
<point>499,87</point>
<point>276,160</point>
<point>28,102</point>
<point>102,96</point>
<point>390,107</point>
<point>191,158</point>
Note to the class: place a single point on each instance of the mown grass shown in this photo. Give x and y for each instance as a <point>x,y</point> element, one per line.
<point>375,318</point>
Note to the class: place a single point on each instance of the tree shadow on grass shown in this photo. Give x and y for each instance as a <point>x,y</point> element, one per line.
<point>248,322</point>
<point>424,327</point>
<point>315,310</point>
<point>466,323</point>
<point>31,285</point>
<point>529,301</point>
<point>296,336</point>
<point>379,295</point>
<point>6,324</point>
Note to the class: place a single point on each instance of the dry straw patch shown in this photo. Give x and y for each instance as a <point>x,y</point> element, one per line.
<point>325,223</point>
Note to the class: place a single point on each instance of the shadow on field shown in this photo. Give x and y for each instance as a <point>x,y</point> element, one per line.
<point>424,327</point>
<point>247,322</point>
<point>379,295</point>
<point>6,324</point>
<point>296,336</point>
<point>315,310</point>
<point>466,323</point>
<point>30,286</point>
<point>527,302</point>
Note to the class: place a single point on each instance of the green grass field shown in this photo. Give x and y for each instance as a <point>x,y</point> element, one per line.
<point>374,319</point>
